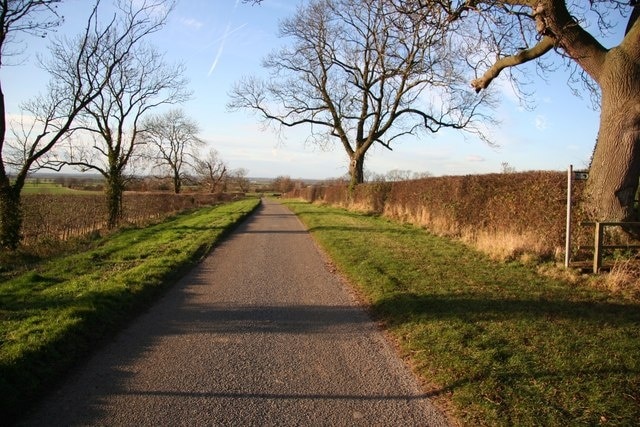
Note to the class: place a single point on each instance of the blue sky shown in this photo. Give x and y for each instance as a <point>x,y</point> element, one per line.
<point>221,40</point>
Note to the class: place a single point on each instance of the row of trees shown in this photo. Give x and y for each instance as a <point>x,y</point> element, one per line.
<point>366,72</point>
<point>95,112</point>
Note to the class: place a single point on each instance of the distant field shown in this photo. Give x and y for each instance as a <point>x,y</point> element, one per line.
<point>50,188</point>
<point>58,216</point>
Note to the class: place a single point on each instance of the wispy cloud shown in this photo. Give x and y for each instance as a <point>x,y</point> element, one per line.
<point>191,23</point>
<point>475,159</point>
<point>541,122</point>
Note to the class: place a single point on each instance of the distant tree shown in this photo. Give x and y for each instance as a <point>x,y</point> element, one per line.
<point>399,175</point>
<point>172,143</point>
<point>283,184</point>
<point>238,178</point>
<point>359,72</point>
<point>374,177</point>
<point>211,171</point>
<point>421,175</point>
<point>507,168</point>
<point>138,83</point>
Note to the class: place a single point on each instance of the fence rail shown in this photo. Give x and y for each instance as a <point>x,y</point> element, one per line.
<point>598,240</point>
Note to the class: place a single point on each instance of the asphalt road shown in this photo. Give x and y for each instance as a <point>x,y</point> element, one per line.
<point>260,333</point>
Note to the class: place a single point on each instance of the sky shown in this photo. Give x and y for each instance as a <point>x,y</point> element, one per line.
<point>219,41</point>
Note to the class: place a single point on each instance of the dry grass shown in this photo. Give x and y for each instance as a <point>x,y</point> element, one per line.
<point>509,246</point>
<point>624,278</point>
<point>423,217</point>
<point>557,271</point>
<point>526,247</point>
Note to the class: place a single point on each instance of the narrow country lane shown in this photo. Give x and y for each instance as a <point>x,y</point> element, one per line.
<point>259,333</point>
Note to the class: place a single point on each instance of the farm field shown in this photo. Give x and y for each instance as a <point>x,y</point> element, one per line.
<point>493,341</point>
<point>52,316</point>
<point>52,188</point>
<point>52,217</point>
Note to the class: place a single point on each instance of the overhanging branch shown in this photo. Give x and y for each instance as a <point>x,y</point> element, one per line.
<point>526,55</point>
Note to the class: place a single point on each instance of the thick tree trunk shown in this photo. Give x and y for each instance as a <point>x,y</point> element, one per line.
<point>615,167</point>
<point>114,190</point>
<point>10,216</point>
<point>356,168</point>
<point>177,183</point>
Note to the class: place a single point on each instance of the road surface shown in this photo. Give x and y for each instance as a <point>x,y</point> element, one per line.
<point>260,333</point>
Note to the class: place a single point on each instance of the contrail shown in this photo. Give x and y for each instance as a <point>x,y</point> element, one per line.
<point>227,33</point>
<point>223,41</point>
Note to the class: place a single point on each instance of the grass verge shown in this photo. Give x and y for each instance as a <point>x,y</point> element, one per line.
<point>52,316</point>
<point>500,343</point>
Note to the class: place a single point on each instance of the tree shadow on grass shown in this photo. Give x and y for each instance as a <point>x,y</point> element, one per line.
<point>582,353</point>
<point>435,307</point>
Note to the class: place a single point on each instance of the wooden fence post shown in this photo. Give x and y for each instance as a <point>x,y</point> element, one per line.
<point>567,247</point>
<point>597,247</point>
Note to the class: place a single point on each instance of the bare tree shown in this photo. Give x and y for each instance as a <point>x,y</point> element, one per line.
<point>398,175</point>
<point>510,33</point>
<point>283,184</point>
<point>238,178</point>
<point>138,82</point>
<point>211,171</point>
<point>364,74</point>
<point>80,70</point>
<point>17,17</point>
<point>172,142</point>
<point>34,17</point>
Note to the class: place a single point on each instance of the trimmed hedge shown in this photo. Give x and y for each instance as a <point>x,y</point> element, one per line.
<point>530,206</point>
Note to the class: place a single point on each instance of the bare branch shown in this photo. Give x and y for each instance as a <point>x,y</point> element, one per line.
<point>354,70</point>
<point>525,55</point>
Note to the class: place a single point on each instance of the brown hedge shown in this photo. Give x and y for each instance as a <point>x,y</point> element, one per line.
<point>526,204</point>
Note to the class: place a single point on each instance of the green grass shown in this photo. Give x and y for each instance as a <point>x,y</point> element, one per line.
<point>50,317</point>
<point>50,188</point>
<point>495,341</point>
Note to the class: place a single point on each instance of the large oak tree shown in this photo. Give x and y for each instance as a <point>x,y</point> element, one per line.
<point>514,32</point>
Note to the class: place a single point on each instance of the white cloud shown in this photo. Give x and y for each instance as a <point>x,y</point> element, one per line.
<point>475,158</point>
<point>541,122</point>
<point>191,23</point>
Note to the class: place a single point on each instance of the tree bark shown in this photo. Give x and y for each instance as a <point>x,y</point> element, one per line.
<point>356,168</point>
<point>10,216</point>
<point>114,191</point>
<point>177,182</point>
<point>615,167</point>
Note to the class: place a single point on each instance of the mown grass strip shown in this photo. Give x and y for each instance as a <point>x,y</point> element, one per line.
<point>503,344</point>
<point>51,317</point>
